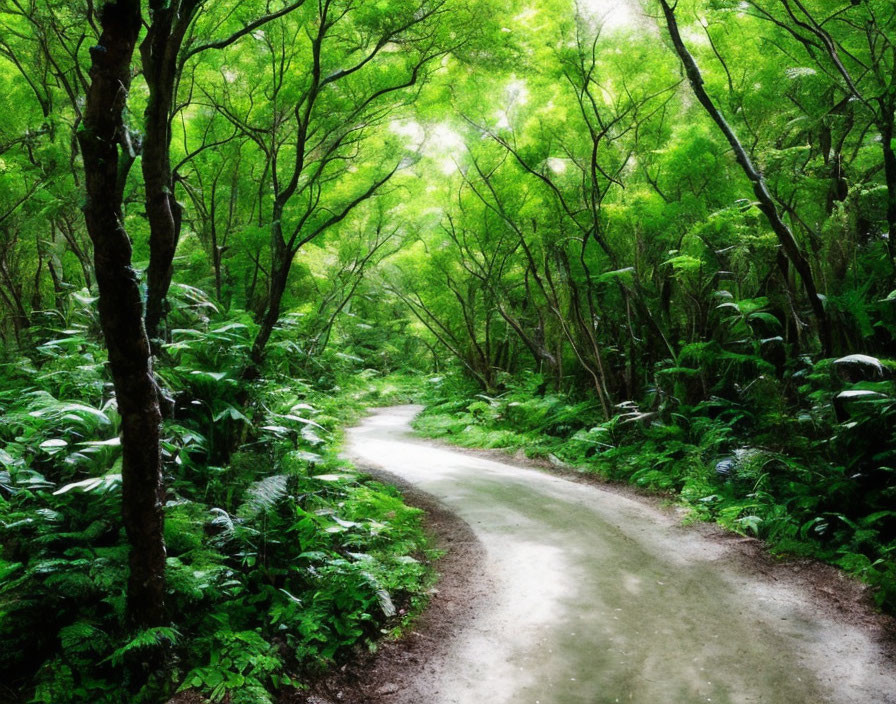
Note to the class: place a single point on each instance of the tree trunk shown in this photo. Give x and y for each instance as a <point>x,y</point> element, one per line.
<point>280,266</point>
<point>887,134</point>
<point>20,318</point>
<point>120,310</point>
<point>159,52</point>
<point>58,287</point>
<point>216,256</point>
<point>66,227</point>
<point>37,302</point>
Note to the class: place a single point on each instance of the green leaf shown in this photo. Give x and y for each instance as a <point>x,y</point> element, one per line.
<point>98,484</point>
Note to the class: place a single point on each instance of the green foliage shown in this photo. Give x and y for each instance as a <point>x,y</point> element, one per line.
<point>281,558</point>
<point>566,252</point>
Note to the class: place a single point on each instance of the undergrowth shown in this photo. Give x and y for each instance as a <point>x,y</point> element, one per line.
<point>281,558</point>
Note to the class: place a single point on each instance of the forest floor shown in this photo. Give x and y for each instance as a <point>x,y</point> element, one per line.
<point>555,589</point>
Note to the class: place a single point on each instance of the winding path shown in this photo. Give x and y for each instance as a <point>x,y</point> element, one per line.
<point>593,597</point>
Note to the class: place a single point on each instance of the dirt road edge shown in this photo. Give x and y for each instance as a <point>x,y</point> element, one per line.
<point>390,675</point>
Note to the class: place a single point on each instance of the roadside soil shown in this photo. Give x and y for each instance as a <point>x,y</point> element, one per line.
<point>400,665</point>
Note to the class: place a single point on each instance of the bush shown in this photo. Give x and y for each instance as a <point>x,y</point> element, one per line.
<point>281,558</point>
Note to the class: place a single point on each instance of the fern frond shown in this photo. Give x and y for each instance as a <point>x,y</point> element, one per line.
<point>263,495</point>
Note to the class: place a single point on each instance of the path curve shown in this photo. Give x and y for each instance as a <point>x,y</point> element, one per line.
<point>594,597</point>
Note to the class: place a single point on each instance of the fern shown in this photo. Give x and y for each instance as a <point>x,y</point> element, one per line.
<point>160,636</point>
<point>263,495</point>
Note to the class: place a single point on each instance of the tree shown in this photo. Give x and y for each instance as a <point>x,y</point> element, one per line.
<point>107,150</point>
<point>327,96</point>
<point>40,46</point>
<point>855,47</point>
<point>766,202</point>
<point>171,42</point>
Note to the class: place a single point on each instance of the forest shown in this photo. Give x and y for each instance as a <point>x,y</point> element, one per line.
<point>651,243</point>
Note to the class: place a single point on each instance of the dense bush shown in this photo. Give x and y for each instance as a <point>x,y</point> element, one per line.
<point>281,558</point>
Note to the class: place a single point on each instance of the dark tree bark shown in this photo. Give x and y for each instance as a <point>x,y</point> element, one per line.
<point>281,264</point>
<point>159,52</point>
<point>67,227</point>
<point>760,189</point>
<point>105,144</point>
<point>887,129</point>
<point>13,295</point>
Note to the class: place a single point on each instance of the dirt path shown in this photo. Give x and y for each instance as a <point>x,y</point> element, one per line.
<point>586,596</point>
